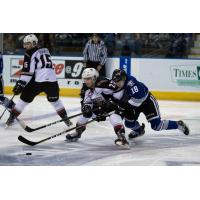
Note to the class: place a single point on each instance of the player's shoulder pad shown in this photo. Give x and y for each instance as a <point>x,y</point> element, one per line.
<point>101,83</point>
<point>30,52</point>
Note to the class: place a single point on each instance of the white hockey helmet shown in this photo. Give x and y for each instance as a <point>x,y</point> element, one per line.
<point>90,73</point>
<point>31,38</point>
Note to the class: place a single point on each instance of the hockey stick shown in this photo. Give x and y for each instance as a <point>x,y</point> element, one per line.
<point>7,106</point>
<point>31,143</point>
<point>29,129</point>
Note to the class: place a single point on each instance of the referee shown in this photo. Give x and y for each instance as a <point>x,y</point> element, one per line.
<point>95,54</point>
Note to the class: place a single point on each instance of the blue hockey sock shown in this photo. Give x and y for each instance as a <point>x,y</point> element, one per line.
<point>2,98</point>
<point>134,125</point>
<point>172,125</point>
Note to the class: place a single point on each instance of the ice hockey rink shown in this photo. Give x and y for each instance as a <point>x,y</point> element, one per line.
<point>96,147</point>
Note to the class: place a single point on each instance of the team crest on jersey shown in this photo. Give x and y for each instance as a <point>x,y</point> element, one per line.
<point>130,83</point>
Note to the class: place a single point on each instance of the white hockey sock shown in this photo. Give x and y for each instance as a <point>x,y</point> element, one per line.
<point>19,107</point>
<point>116,120</point>
<point>60,109</point>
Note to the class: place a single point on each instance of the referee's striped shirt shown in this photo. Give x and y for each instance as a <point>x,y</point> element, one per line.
<point>95,52</point>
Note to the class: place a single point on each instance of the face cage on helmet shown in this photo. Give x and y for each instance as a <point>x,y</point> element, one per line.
<point>119,77</point>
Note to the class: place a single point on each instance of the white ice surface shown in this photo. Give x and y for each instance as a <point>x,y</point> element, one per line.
<point>96,147</point>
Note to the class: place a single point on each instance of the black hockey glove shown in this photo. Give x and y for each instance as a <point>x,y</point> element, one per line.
<point>110,106</point>
<point>98,102</point>
<point>19,87</point>
<point>107,107</point>
<point>87,111</point>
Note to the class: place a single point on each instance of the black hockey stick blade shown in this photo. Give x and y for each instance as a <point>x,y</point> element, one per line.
<point>25,141</point>
<point>29,129</point>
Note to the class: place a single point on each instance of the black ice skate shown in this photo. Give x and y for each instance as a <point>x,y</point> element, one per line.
<point>73,137</point>
<point>183,127</point>
<point>10,120</point>
<point>122,143</point>
<point>140,132</point>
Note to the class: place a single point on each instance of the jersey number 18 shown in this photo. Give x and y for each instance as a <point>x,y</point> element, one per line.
<point>134,89</point>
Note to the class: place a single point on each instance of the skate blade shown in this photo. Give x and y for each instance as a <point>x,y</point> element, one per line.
<point>71,141</point>
<point>136,137</point>
<point>123,146</point>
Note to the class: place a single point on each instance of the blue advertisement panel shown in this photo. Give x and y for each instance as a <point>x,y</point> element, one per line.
<point>125,64</point>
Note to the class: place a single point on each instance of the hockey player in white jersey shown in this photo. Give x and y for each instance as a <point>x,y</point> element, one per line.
<point>37,76</point>
<point>98,100</point>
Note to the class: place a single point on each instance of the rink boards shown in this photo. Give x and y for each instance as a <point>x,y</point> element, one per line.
<point>183,96</point>
<point>168,79</point>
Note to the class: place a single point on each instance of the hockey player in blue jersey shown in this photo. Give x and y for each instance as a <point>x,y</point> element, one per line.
<point>138,99</point>
<point>3,100</point>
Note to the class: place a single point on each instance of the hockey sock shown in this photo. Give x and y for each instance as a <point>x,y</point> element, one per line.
<point>159,125</point>
<point>19,107</point>
<point>120,131</point>
<point>133,125</point>
<point>6,102</point>
<point>60,109</point>
<point>80,128</point>
<point>172,125</point>
<point>115,120</point>
<point>2,99</point>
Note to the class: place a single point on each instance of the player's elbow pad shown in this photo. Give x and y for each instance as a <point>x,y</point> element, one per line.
<point>135,104</point>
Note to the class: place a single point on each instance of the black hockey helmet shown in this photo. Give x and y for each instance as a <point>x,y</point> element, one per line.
<point>118,75</point>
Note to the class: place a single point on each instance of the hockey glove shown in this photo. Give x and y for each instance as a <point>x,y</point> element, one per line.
<point>87,111</point>
<point>19,87</point>
<point>110,106</point>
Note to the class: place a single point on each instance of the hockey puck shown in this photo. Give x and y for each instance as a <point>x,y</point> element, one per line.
<point>28,154</point>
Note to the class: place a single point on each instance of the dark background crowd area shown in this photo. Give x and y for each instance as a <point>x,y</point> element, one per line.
<point>164,45</point>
